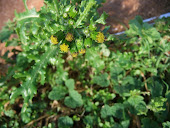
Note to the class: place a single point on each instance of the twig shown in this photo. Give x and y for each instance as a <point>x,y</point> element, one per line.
<point>144,78</point>
<point>32,122</point>
<point>135,120</point>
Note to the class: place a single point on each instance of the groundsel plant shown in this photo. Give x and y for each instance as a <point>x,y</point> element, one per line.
<point>72,23</point>
<point>59,27</point>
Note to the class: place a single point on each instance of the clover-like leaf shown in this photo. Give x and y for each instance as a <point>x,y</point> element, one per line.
<point>102,80</point>
<point>106,111</point>
<point>70,84</point>
<point>73,100</point>
<point>57,93</point>
<point>65,122</point>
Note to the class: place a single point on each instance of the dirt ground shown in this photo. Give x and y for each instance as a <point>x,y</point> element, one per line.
<point>120,12</point>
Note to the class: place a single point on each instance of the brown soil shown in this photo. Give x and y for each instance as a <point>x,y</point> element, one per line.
<point>120,12</point>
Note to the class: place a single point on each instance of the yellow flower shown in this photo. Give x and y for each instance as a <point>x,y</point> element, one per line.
<point>74,54</point>
<point>69,37</point>
<point>54,40</point>
<point>82,51</point>
<point>100,37</point>
<point>64,47</point>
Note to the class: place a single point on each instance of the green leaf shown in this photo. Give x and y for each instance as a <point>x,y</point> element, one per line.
<point>157,104</point>
<point>135,26</point>
<point>106,111</point>
<point>25,4</point>
<point>72,12</point>
<point>28,88</point>
<point>105,50</point>
<point>118,111</point>
<point>102,18</point>
<point>69,102</point>
<point>9,113</point>
<point>22,20</point>
<point>93,58</point>
<point>100,1</point>
<point>26,16</point>
<point>125,123</point>
<point>138,104</point>
<point>148,123</point>
<point>65,122</point>
<point>70,84</point>
<point>166,124</point>
<point>13,42</point>
<point>5,33</point>
<point>76,97</point>
<point>116,73</point>
<point>74,100</point>
<point>88,120</point>
<point>155,87</point>
<point>84,14</point>
<point>102,80</point>
<point>26,113</point>
<point>57,93</point>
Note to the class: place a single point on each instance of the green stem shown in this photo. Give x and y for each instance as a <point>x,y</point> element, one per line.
<point>25,4</point>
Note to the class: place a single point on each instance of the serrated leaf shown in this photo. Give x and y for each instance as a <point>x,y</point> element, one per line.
<point>102,18</point>
<point>23,19</point>
<point>26,113</point>
<point>135,26</point>
<point>26,16</point>
<point>65,122</point>
<point>28,88</point>
<point>57,93</point>
<point>84,14</point>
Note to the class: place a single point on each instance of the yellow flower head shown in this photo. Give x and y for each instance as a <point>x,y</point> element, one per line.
<point>69,37</point>
<point>100,37</point>
<point>54,40</point>
<point>74,54</point>
<point>64,47</point>
<point>82,51</point>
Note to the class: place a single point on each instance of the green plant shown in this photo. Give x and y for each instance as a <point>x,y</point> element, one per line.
<point>45,87</point>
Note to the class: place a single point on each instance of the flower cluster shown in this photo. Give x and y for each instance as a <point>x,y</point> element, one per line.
<point>64,47</point>
<point>100,37</point>
<point>79,45</point>
<point>54,40</point>
<point>69,37</point>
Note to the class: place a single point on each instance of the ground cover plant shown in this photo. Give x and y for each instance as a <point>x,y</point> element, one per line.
<point>70,73</point>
